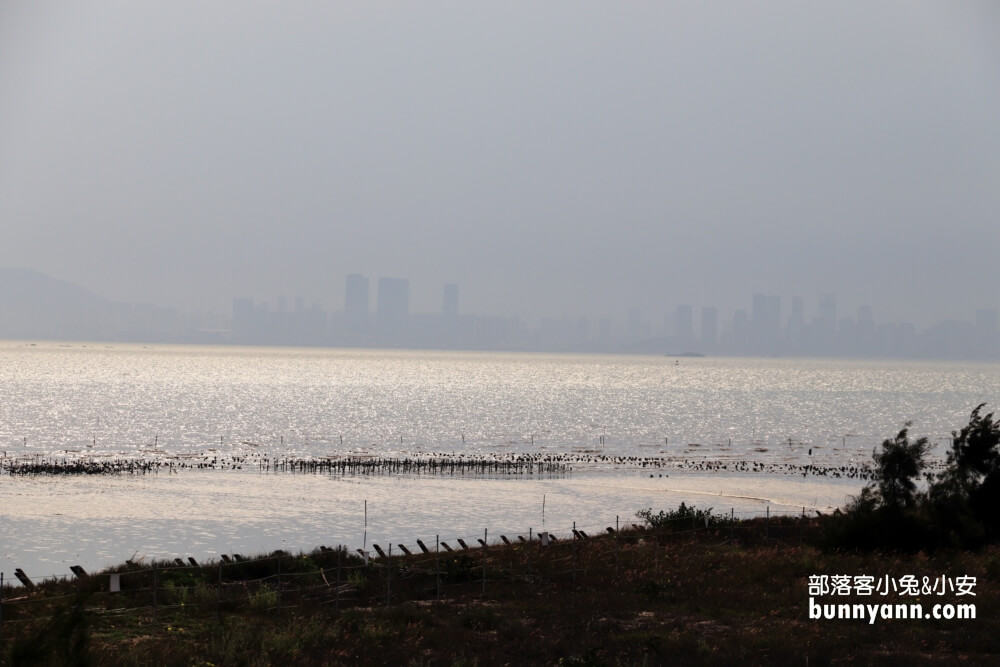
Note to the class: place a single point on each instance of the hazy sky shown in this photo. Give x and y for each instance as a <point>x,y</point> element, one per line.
<point>568,158</point>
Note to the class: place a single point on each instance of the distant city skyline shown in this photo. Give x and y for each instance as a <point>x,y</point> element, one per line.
<point>425,296</point>
<point>769,325</point>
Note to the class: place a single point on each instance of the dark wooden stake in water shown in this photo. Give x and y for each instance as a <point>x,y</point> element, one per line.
<point>154,596</point>
<point>483,542</point>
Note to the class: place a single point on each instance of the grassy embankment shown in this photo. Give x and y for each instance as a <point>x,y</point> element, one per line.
<point>720,595</point>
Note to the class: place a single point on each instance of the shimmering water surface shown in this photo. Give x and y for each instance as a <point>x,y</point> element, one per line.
<point>187,402</point>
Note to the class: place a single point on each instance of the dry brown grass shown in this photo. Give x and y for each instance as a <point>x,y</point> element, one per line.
<point>640,598</point>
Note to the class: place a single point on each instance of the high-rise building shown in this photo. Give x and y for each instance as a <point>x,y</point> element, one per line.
<point>824,335</point>
<point>451,300</point>
<point>356,301</point>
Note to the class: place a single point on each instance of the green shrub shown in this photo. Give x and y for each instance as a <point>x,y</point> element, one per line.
<point>683,518</point>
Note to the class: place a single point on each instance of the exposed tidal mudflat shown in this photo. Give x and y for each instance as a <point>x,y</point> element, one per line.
<point>624,433</point>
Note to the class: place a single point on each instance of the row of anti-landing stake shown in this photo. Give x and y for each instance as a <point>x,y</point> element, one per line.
<point>440,463</point>
<point>544,538</point>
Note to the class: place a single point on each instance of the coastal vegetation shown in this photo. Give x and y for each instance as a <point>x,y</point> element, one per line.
<point>906,508</point>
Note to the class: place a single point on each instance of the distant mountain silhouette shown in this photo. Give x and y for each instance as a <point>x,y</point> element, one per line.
<point>34,305</point>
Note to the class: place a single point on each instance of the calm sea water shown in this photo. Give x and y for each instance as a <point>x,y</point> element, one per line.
<point>97,400</point>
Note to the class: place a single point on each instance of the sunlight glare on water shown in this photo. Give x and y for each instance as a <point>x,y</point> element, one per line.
<point>123,399</point>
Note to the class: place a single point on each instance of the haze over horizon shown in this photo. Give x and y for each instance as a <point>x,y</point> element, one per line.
<point>551,160</point>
